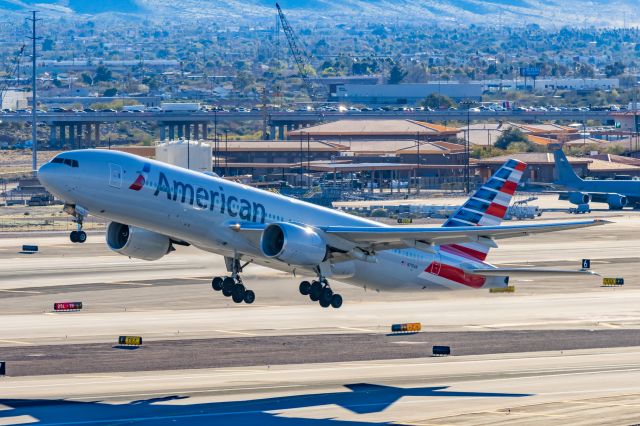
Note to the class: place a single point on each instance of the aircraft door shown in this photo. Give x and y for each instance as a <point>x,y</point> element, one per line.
<point>115,175</point>
<point>436,264</point>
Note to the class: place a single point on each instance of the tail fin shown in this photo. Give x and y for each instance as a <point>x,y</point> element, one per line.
<point>566,174</point>
<point>487,206</point>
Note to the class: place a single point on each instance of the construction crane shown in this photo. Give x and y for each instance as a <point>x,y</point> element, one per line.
<point>300,55</point>
<point>11,71</point>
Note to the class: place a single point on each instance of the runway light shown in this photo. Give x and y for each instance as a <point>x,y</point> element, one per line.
<point>612,282</point>
<point>67,306</point>
<point>507,289</point>
<point>410,327</point>
<point>130,340</point>
<point>26,248</point>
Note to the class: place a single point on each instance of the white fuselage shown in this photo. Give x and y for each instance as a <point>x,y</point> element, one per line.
<point>199,209</point>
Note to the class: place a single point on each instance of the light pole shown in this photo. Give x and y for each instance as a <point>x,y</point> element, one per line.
<point>226,152</point>
<point>34,104</point>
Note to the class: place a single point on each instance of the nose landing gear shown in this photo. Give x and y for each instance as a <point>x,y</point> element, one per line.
<point>319,291</point>
<point>77,236</point>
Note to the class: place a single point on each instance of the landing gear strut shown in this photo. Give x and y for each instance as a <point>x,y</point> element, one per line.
<point>233,286</point>
<point>319,291</point>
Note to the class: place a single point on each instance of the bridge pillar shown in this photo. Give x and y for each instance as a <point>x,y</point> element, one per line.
<point>96,138</point>
<point>52,135</point>
<point>79,135</point>
<point>180,130</point>
<point>63,136</point>
<point>272,133</point>
<point>72,136</point>
<point>205,130</point>
<point>187,131</point>
<point>281,132</point>
<point>196,131</point>
<point>171,132</point>
<point>162,132</point>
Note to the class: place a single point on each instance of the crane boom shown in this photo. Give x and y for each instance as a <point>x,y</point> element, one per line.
<point>299,55</point>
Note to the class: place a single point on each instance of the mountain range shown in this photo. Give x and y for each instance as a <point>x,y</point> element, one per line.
<point>575,13</point>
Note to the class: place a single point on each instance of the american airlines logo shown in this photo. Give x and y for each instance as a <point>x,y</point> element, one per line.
<point>210,199</point>
<point>142,178</point>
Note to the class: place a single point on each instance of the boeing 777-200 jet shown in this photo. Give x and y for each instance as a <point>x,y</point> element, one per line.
<point>155,206</point>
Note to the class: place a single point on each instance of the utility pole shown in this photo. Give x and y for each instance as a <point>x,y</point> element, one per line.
<point>34,104</point>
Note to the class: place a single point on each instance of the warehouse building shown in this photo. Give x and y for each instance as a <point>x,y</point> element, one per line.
<point>404,94</point>
<point>345,131</point>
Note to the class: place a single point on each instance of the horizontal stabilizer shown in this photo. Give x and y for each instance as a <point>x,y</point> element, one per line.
<point>516,272</point>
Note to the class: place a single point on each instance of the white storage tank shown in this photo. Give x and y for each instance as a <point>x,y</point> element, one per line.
<point>194,155</point>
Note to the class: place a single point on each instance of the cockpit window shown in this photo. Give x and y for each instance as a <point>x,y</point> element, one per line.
<point>67,161</point>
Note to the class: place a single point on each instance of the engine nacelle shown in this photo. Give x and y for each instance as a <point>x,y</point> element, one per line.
<point>576,198</point>
<point>293,244</point>
<point>137,242</point>
<point>617,201</point>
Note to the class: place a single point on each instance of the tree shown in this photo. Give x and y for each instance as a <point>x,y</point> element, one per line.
<point>102,74</point>
<point>48,45</point>
<point>509,136</point>
<point>243,80</point>
<point>397,74</point>
<point>111,92</point>
<point>612,70</point>
<point>437,101</point>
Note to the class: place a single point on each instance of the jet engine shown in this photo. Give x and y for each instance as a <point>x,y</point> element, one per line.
<point>137,242</point>
<point>293,244</point>
<point>617,201</point>
<point>576,198</point>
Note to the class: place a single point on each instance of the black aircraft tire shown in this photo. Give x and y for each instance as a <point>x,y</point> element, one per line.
<point>326,295</point>
<point>249,297</point>
<point>336,301</point>
<point>228,283</point>
<point>315,291</point>
<point>304,288</point>
<point>81,236</point>
<point>216,283</point>
<point>237,293</point>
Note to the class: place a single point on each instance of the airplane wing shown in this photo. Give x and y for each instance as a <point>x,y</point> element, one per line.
<point>374,238</point>
<point>516,272</point>
<point>379,238</point>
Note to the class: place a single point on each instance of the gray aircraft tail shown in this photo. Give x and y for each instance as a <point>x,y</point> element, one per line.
<point>566,174</point>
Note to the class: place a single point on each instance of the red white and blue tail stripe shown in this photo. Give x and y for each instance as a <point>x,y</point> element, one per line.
<point>486,207</point>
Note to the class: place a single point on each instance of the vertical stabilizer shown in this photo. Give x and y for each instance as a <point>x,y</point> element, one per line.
<point>487,206</point>
<point>566,174</point>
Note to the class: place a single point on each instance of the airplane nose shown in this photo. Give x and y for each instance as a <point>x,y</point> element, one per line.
<point>44,173</point>
<point>49,176</point>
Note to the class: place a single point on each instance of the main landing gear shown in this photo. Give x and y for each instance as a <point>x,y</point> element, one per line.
<point>319,291</point>
<point>232,286</point>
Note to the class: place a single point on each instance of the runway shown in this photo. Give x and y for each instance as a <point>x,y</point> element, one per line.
<point>577,387</point>
<point>556,351</point>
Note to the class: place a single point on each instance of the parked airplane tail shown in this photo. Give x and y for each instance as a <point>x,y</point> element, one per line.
<point>487,207</point>
<point>566,174</point>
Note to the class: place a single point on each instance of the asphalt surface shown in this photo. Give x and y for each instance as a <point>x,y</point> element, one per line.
<point>275,350</point>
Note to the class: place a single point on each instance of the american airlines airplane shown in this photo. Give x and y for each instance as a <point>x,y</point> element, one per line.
<point>155,206</point>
